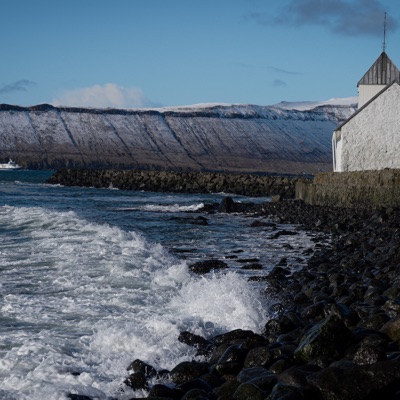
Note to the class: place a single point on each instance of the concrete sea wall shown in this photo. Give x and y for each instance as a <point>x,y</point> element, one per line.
<point>182,182</point>
<point>361,189</point>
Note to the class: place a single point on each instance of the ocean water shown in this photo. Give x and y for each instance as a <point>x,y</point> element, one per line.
<point>91,279</point>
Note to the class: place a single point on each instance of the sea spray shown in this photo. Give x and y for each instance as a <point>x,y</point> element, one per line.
<point>81,300</point>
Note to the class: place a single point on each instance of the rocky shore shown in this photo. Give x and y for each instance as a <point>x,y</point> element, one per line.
<point>334,332</point>
<point>180,182</point>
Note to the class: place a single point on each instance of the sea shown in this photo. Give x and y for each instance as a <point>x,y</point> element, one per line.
<point>92,279</point>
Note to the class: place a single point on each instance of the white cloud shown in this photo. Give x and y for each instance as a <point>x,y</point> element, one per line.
<point>108,95</point>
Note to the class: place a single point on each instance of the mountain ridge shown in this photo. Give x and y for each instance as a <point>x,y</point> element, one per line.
<point>213,137</point>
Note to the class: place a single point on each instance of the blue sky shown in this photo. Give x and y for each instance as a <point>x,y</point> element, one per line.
<point>150,53</point>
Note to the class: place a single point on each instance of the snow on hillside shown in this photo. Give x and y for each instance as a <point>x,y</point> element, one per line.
<point>217,137</point>
<point>309,105</point>
<point>285,105</point>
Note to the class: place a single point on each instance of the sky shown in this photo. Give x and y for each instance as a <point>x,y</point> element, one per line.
<point>165,53</point>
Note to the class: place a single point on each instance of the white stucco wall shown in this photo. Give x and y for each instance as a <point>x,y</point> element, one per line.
<point>367,92</point>
<point>337,151</point>
<point>370,140</point>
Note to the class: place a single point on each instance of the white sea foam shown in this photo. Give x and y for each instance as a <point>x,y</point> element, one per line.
<point>80,301</point>
<point>172,208</point>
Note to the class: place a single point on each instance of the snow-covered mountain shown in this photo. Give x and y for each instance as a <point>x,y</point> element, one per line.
<point>309,105</point>
<point>213,137</point>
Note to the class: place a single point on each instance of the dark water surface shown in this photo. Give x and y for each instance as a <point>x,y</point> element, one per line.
<point>94,278</point>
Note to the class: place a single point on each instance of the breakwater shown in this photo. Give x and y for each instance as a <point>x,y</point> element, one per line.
<point>179,182</point>
<point>361,189</point>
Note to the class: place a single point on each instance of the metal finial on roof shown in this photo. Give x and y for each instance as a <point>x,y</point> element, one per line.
<point>384,35</point>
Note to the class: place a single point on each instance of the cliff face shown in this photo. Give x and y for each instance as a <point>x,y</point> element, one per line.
<point>215,138</point>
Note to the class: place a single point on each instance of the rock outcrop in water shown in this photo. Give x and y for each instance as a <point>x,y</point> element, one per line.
<point>236,138</point>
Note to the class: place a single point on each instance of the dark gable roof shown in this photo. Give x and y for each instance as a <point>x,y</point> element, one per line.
<point>366,105</point>
<point>382,72</point>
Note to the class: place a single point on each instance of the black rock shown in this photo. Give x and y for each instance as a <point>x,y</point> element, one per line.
<point>198,383</point>
<point>197,394</point>
<point>366,355</point>
<point>233,335</point>
<point>357,382</point>
<point>193,340</point>
<point>234,353</point>
<point>163,391</point>
<point>141,366</point>
<point>324,341</point>
<point>136,381</point>
<point>286,392</point>
<point>227,205</point>
<point>259,357</point>
<point>187,371</point>
<point>247,391</point>
<point>267,224</point>
<point>227,368</point>
<point>297,376</point>
<point>278,234</point>
<point>248,374</point>
<point>78,397</point>
<point>203,267</point>
<point>226,390</point>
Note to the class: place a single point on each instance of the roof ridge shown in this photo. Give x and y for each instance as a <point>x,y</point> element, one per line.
<point>382,72</point>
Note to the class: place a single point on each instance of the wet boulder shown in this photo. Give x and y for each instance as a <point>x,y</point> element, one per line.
<point>248,374</point>
<point>227,389</point>
<point>348,316</point>
<point>187,371</point>
<point>249,391</point>
<point>392,328</point>
<point>227,205</point>
<point>191,339</point>
<point>231,361</point>
<point>296,376</point>
<point>259,357</point>
<point>203,267</point>
<point>237,334</point>
<point>367,354</point>
<point>163,391</point>
<point>354,382</point>
<point>197,394</point>
<point>234,353</point>
<point>286,392</point>
<point>136,381</point>
<point>140,366</point>
<point>326,340</point>
<point>194,386</point>
<point>227,368</point>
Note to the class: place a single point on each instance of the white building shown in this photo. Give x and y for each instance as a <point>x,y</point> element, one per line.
<point>370,138</point>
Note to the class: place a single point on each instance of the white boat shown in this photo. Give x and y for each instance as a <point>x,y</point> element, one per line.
<point>10,165</point>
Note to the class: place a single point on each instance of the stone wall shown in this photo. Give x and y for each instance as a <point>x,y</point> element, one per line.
<point>182,182</point>
<point>363,189</point>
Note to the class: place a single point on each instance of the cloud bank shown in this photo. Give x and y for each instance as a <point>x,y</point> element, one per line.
<point>108,95</point>
<point>18,86</point>
<point>344,17</point>
<point>279,83</point>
